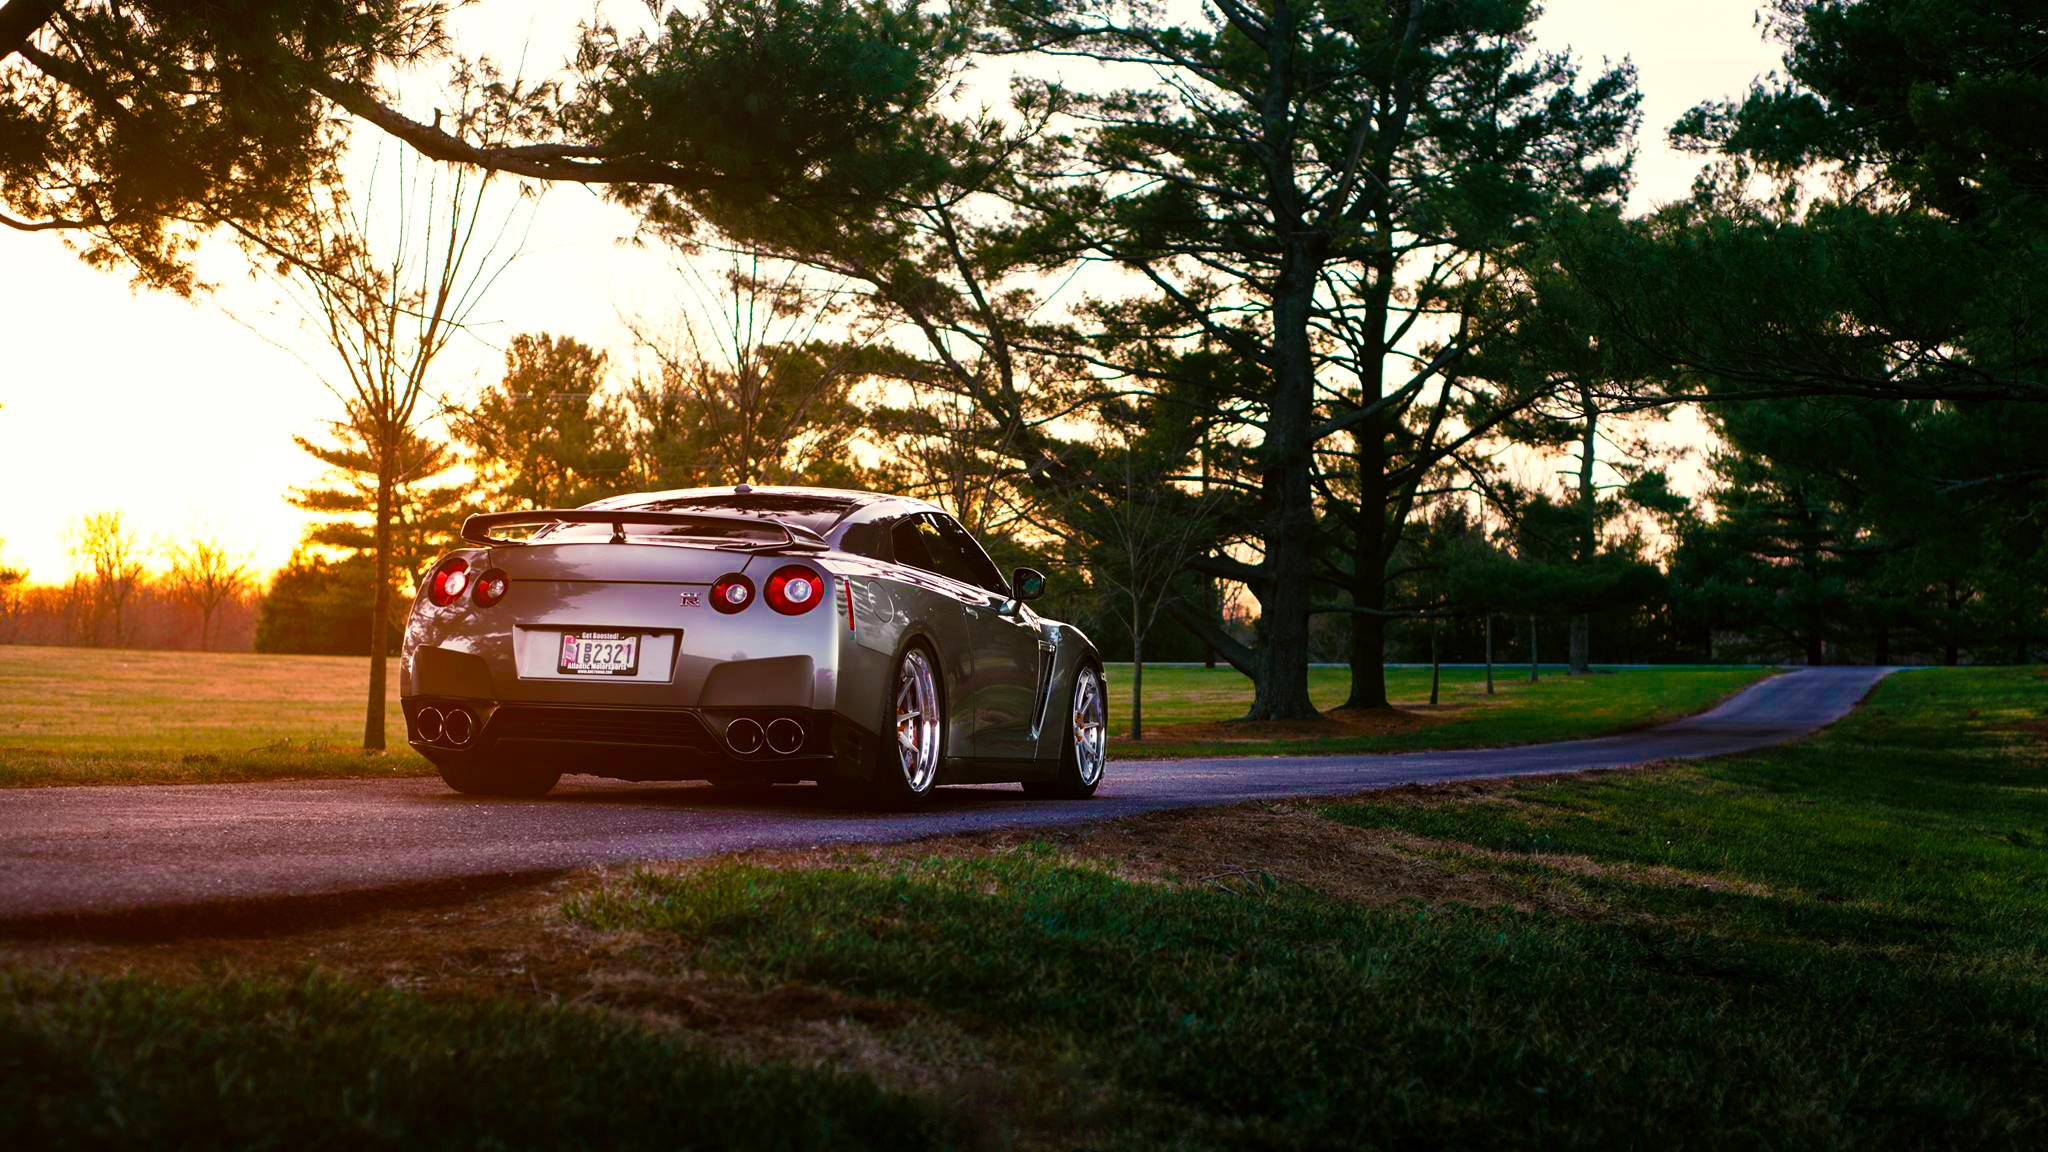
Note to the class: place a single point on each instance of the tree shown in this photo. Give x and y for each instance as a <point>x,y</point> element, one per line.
<point>542,435</point>
<point>427,506</point>
<point>388,303</point>
<point>1308,188</point>
<point>749,389</point>
<point>136,128</point>
<point>1896,260</point>
<point>114,561</point>
<point>320,607</point>
<point>12,582</point>
<point>205,576</point>
<point>1135,533</point>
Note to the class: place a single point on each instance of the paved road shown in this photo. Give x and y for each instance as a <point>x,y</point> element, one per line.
<point>85,854</point>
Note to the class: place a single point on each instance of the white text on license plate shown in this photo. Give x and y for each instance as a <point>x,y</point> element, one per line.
<point>599,654</point>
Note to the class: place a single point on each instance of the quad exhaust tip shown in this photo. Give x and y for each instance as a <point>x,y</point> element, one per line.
<point>458,726</point>
<point>427,722</point>
<point>785,735</point>
<point>743,736</point>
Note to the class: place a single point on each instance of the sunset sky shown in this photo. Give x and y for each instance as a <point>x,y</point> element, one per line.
<point>181,414</point>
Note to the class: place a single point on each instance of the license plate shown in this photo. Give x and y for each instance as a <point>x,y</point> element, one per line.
<point>599,654</point>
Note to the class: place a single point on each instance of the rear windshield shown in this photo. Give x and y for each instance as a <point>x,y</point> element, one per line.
<point>817,513</point>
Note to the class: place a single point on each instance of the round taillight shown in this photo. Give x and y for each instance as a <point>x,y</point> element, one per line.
<point>491,588</point>
<point>732,593</point>
<point>450,578</point>
<point>795,589</point>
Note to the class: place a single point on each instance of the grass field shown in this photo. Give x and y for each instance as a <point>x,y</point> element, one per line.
<point>1834,944</point>
<point>91,715</point>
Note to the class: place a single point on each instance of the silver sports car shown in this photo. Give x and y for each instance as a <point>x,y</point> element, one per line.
<point>746,636</point>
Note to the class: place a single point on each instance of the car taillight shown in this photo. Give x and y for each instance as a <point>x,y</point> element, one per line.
<point>732,593</point>
<point>794,589</point>
<point>450,578</point>
<point>491,588</point>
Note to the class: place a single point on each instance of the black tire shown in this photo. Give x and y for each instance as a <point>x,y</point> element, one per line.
<point>477,777</point>
<point>1073,782</point>
<point>895,784</point>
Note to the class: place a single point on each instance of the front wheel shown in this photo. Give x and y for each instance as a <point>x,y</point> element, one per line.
<point>1087,750</point>
<point>476,777</point>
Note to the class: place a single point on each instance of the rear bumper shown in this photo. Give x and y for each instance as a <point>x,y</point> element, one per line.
<point>632,742</point>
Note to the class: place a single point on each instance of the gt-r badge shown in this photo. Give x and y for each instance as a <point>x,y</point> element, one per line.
<point>691,599</point>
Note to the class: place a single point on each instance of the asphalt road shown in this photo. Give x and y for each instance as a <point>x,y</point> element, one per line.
<point>86,855</point>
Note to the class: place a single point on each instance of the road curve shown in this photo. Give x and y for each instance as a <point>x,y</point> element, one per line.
<point>70,855</point>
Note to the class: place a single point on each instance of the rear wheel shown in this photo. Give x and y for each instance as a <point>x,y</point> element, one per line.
<point>1087,750</point>
<point>908,766</point>
<point>473,776</point>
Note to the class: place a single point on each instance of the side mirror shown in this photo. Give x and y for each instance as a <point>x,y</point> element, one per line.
<point>1027,584</point>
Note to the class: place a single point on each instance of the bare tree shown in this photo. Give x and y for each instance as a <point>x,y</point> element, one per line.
<point>204,575</point>
<point>388,290</point>
<point>114,561</point>
<point>755,380</point>
<point>1142,532</point>
<point>12,582</point>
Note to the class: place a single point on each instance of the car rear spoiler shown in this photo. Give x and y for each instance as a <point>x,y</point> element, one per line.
<point>478,529</point>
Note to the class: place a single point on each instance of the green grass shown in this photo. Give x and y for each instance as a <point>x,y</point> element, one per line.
<point>110,716</point>
<point>113,716</point>
<point>129,1063</point>
<point>1557,707</point>
<point>1841,943</point>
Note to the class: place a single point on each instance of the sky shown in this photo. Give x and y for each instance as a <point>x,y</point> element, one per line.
<point>181,413</point>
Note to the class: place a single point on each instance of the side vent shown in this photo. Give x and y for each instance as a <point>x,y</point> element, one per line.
<point>1045,655</point>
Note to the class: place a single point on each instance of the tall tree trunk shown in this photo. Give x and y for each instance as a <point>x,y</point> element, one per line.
<point>1489,653</point>
<point>1436,667</point>
<point>1951,640</point>
<point>1581,654</point>
<point>1137,679</point>
<point>1208,582</point>
<point>1208,613</point>
<point>1280,690</point>
<point>1370,541</point>
<point>1534,664</point>
<point>380,606</point>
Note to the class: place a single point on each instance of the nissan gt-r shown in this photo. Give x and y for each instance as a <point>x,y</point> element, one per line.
<point>748,637</point>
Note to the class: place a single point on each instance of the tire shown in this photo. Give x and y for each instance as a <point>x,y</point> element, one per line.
<point>1085,757</point>
<point>912,751</point>
<point>476,777</point>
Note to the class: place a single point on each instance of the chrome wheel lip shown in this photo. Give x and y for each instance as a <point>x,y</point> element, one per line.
<point>1091,726</point>
<point>918,723</point>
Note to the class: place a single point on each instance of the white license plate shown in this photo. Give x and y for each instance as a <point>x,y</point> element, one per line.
<point>599,654</point>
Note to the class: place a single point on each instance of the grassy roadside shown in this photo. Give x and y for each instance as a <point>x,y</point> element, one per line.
<point>1193,711</point>
<point>1836,943</point>
<point>100,716</point>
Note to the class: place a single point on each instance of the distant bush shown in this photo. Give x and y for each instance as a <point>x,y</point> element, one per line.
<point>321,607</point>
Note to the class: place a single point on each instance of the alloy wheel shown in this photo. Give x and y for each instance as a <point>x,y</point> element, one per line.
<point>917,722</point>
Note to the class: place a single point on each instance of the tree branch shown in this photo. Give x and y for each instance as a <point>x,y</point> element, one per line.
<point>578,163</point>
<point>21,19</point>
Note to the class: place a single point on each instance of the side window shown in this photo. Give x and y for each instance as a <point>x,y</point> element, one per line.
<point>963,558</point>
<point>910,537</point>
<point>865,540</point>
